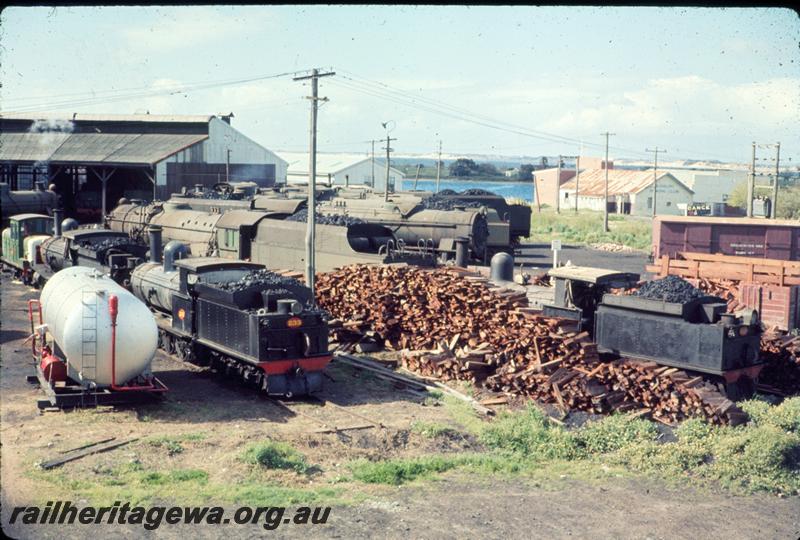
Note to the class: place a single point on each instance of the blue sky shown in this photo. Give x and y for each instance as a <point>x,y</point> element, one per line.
<point>702,83</point>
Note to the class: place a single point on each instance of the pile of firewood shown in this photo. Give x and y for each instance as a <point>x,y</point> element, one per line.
<point>453,326</point>
<point>781,351</point>
<point>411,308</point>
<point>723,288</point>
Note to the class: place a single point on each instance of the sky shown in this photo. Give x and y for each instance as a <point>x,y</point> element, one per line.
<point>702,83</point>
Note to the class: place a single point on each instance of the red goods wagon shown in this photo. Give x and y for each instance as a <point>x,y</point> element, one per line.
<point>743,237</point>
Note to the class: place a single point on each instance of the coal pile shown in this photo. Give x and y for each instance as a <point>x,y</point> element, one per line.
<point>670,289</point>
<point>439,203</point>
<point>447,192</point>
<point>338,220</point>
<point>262,278</point>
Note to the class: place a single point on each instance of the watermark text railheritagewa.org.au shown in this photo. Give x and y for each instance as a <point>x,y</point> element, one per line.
<point>64,512</point>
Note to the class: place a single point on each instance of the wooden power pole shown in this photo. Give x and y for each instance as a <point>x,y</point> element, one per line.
<point>312,176</point>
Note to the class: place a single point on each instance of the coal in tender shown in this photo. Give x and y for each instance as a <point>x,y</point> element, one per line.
<point>670,289</point>
<point>477,191</point>
<point>338,220</point>
<point>261,278</point>
<point>439,202</point>
<point>108,243</point>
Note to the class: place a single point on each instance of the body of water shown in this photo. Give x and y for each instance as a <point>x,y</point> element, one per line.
<point>519,190</point>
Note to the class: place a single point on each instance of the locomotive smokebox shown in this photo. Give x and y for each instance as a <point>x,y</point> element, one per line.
<point>155,243</point>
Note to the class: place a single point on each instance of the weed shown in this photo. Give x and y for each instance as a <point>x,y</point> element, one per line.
<point>275,455</point>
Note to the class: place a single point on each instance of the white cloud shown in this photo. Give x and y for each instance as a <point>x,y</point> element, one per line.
<point>189,26</point>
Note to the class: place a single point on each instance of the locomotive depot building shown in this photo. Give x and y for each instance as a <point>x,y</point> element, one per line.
<point>338,169</point>
<point>95,159</point>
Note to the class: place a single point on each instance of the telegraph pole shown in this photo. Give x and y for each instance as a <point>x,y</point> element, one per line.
<point>558,186</point>
<point>751,184</point>
<point>312,176</point>
<point>774,206</point>
<point>558,182</point>
<point>388,149</point>
<point>655,151</point>
<point>439,166</point>
<point>373,141</point>
<point>228,165</point>
<point>605,206</point>
<point>416,178</point>
<point>577,180</point>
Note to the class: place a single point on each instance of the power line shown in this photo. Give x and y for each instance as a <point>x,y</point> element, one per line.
<point>367,83</point>
<point>50,105</point>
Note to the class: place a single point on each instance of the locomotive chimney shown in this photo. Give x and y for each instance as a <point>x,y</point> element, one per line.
<point>155,243</point>
<point>57,214</point>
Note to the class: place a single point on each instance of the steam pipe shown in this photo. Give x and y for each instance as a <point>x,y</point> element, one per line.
<point>57,213</point>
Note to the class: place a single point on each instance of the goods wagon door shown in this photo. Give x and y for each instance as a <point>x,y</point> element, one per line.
<point>698,238</point>
<point>740,240</point>
<point>779,243</point>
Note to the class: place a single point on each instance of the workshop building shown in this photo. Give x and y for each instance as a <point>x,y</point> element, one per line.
<point>94,159</point>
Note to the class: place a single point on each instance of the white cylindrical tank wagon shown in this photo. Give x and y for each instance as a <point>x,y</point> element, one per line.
<point>75,309</point>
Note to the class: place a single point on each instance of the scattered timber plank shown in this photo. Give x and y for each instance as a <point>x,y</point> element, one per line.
<point>72,456</point>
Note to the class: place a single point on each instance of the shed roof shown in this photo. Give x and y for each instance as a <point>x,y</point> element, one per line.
<point>327,163</point>
<point>83,117</point>
<point>620,181</point>
<point>94,148</point>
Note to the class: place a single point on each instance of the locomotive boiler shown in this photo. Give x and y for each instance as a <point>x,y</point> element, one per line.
<point>265,237</point>
<point>36,201</point>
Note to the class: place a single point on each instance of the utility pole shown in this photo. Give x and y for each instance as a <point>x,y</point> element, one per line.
<point>388,149</point>
<point>558,182</point>
<point>605,197</point>
<point>312,177</point>
<point>751,184</point>
<point>373,141</point>
<point>577,180</point>
<point>774,206</point>
<point>655,151</point>
<point>558,186</point>
<point>416,178</point>
<point>439,166</point>
<point>228,166</point>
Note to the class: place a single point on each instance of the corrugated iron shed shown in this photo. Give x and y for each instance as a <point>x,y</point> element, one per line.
<point>30,146</point>
<point>592,183</point>
<point>94,148</point>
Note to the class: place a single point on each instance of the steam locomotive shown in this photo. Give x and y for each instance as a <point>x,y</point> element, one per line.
<point>236,317</point>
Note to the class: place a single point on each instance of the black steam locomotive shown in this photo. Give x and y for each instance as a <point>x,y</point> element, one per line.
<point>236,317</point>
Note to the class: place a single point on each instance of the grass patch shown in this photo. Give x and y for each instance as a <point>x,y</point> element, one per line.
<point>400,471</point>
<point>180,486</point>
<point>586,227</point>
<point>763,455</point>
<point>172,443</point>
<point>275,455</point>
